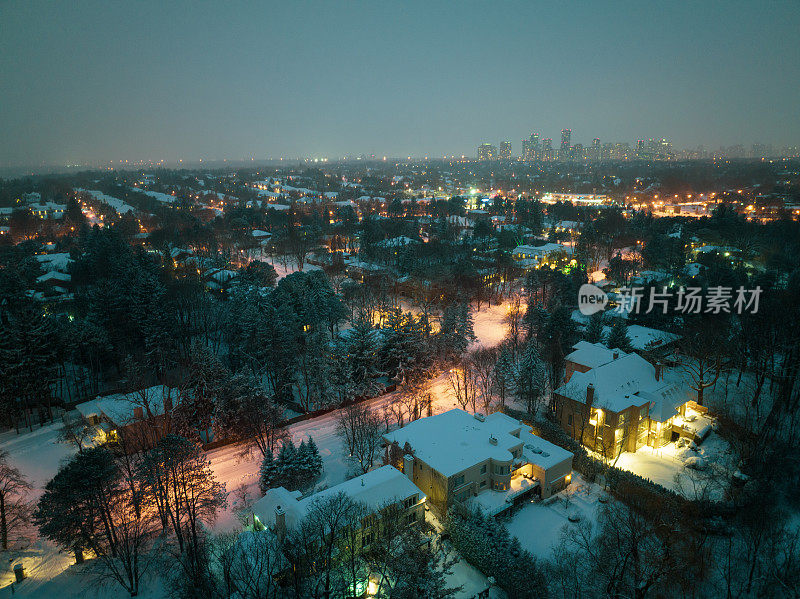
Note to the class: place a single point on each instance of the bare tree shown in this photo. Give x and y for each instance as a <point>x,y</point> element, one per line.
<point>76,431</point>
<point>464,383</point>
<point>14,509</point>
<point>361,429</point>
<point>483,362</point>
<point>702,359</point>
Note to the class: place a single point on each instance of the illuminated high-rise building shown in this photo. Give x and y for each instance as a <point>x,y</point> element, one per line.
<point>505,150</point>
<point>487,152</point>
<point>566,143</point>
<point>547,149</point>
<point>530,148</point>
<point>595,154</point>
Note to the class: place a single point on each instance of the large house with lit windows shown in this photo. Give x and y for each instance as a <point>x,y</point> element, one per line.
<point>614,402</point>
<point>493,462</point>
<point>534,256</point>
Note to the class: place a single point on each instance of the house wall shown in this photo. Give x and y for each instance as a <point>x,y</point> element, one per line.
<point>574,418</point>
<point>553,479</point>
<point>572,367</point>
<point>143,434</point>
<point>442,491</point>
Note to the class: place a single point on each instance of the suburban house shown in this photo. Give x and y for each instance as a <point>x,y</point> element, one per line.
<point>281,510</point>
<point>136,420</point>
<point>621,404</point>
<point>493,461</point>
<point>533,256</point>
<point>586,356</point>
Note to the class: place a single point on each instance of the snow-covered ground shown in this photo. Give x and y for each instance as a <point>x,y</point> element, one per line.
<point>156,195</point>
<point>50,572</point>
<point>489,326</point>
<point>38,455</point>
<point>117,204</point>
<point>667,466</point>
<point>538,525</point>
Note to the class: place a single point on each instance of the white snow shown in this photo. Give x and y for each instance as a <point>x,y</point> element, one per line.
<point>156,195</point>
<point>489,325</point>
<point>117,204</point>
<point>375,489</point>
<point>538,525</point>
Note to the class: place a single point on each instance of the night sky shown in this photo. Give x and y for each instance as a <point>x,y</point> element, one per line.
<point>86,82</point>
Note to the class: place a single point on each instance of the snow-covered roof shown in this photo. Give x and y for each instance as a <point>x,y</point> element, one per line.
<point>644,338</point>
<point>58,261</point>
<point>456,440</point>
<point>119,407</point>
<point>541,250</point>
<point>375,489</point>
<point>592,355</point>
<point>53,275</point>
<point>628,381</point>
<point>260,233</point>
<point>397,241</point>
<point>693,269</point>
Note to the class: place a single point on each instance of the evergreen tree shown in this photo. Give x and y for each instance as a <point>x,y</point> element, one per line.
<point>285,465</point>
<point>314,458</point>
<point>267,472</point>
<point>362,349</point>
<point>618,336</point>
<point>530,378</point>
<point>594,330</point>
<point>535,320</point>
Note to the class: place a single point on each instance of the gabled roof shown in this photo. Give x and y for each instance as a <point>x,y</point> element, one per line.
<point>592,355</point>
<point>628,381</point>
<point>119,407</point>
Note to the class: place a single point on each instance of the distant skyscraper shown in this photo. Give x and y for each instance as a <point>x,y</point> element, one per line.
<point>505,150</point>
<point>530,148</point>
<point>640,149</point>
<point>487,152</point>
<point>566,142</point>
<point>595,149</point>
<point>547,149</point>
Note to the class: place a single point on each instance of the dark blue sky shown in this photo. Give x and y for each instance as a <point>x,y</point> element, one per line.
<point>93,81</point>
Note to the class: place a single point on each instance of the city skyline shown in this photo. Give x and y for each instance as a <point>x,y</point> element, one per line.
<point>96,82</point>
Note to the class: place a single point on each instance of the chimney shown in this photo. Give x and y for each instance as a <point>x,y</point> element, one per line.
<point>589,394</point>
<point>492,440</point>
<point>408,466</point>
<point>615,355</point>
<point>658,371</point>
<point>280,522</point>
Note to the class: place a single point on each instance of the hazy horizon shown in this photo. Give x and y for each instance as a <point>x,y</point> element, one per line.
<point>96,83</point>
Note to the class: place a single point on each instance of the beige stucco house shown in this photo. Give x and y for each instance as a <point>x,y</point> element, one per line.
<point>493,461</point>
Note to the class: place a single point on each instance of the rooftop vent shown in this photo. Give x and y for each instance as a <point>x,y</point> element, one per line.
<point>480,417</point>
<point>492,440</point>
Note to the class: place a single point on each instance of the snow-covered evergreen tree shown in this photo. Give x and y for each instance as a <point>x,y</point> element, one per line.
<point>267,472</point>
<point>530,378</point>
<point>594,330</point>
<point>618,336</point>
